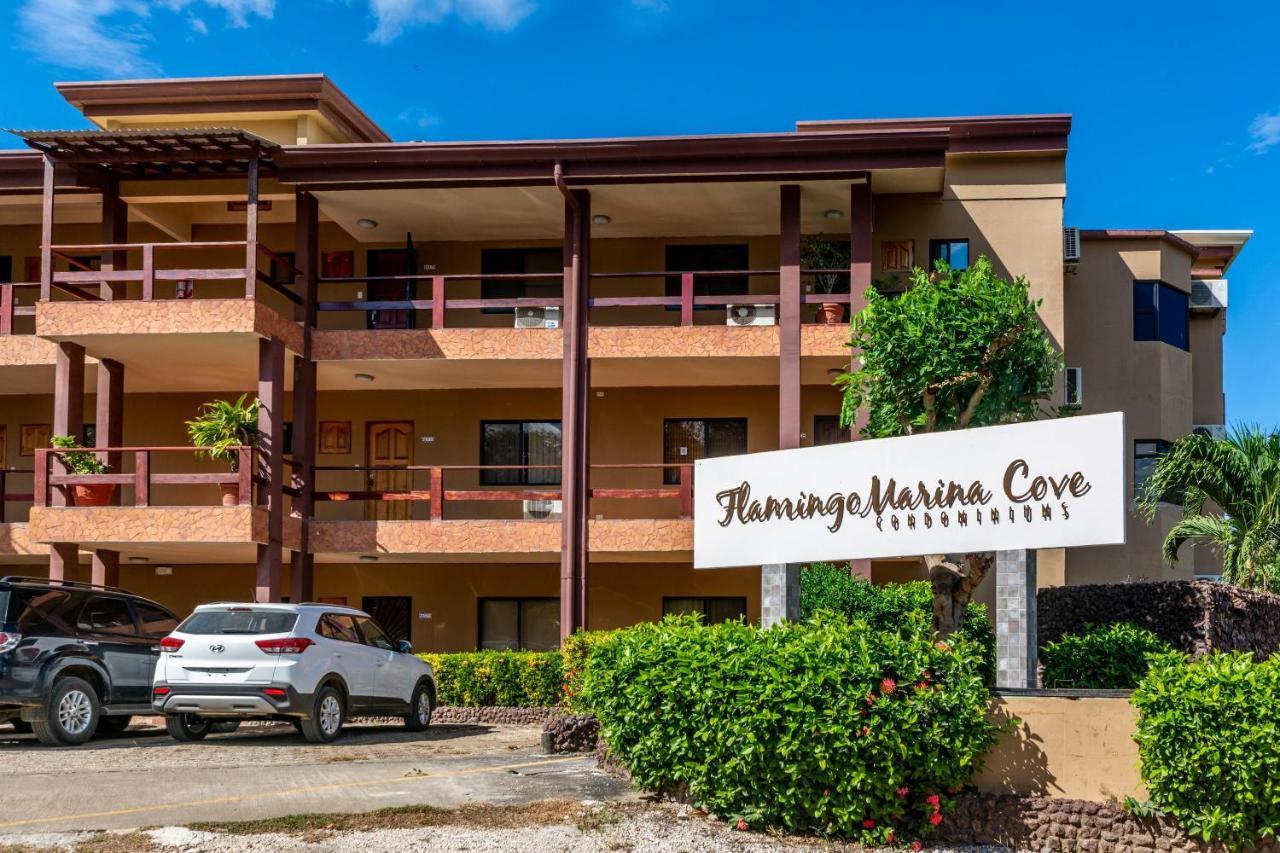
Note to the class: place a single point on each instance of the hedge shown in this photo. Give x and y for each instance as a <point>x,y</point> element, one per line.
<point>513,679</point>
<point>576,649</point>
<point>1109,657</point>
<point>890,607</point>
<point>1209,744</point>
<point>824,726</point>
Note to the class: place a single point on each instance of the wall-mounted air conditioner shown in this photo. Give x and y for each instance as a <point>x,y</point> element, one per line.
<point>541,510</point>
<point>1073,387</point>
<point>1070,248</point>
<point>538,318</point>
<point>1209,295</point>
<point>1218,431</point>
<point>751,315</point>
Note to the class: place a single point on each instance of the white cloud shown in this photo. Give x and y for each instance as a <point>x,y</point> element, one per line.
<point>1264,132</point>
<point>238,11</point>
<point>198,25</point>
<point>394,16</point>
<point>419,118</point>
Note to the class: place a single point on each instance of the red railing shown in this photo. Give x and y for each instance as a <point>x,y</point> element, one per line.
<point>437,497</point>
<point>6,497</point>
<point>9,303</point>
<point>142,478</point>
<point>438,304</point>
<point>144,266</point>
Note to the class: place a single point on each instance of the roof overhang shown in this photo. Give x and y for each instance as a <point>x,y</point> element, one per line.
<point>161,153</point>
<point>1139,234</point>
<point>1216,249</point>
<point>1044,134</point>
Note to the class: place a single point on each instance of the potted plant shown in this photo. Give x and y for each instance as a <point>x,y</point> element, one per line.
<point>220,428</point>
<point>80,461</point>
<point>820,253</point>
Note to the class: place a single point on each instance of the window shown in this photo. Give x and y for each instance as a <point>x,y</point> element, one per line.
<point>6,268</point>
<point>338,626</point>
<point>516,262</point>
<point>954,252</point>
<point>1073,387</point>
<point>41,612</point>
<point>1146,453</point>
<point>714,609</point>
<point>520,443</point>
<point>110,616</point>
<point>707,258</point>
<point>156,622</point>
<point>826,430</point>
<point>519,624</point>
<point>1161,313</point>
<point>373,635</point>
<point>239,620</point>
<point>684,441</point>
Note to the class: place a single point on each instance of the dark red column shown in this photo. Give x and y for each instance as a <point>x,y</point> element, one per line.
<point>109,426</point>
<point>789,427</point>
<point>270,466</point>
<point>860,254</point>
<point>575,381</point>
<point>115,230</point>
<point>306,241</point>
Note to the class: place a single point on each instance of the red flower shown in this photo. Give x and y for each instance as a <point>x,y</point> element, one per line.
<point>868,824</point>
<point>887,686</point>
<point>941,646</point>
<point>933,800</point>
<point>866,730</point>
<point>916,845</point>
<point>903,791</point>
<point>742,825</point>
<point>935,818</point>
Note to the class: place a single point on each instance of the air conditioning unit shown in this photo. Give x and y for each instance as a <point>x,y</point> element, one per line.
<point>537,318</point>
<point>1209,295</point>
<point>1073,387</point>
<point>542,510</point>
<point>1218,431</point>
<point>751,315</point>
<point>1071,247</point>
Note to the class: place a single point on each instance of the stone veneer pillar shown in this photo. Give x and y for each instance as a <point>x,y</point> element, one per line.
<point>1016,663</point>
<point>779,593</point>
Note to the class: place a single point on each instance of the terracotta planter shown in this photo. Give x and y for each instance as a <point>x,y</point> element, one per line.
<point>93,494</point>
<point>831,313</point>
<point>230,493</point>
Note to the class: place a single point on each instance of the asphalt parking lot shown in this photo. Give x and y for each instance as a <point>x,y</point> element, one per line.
<point>144,778</point>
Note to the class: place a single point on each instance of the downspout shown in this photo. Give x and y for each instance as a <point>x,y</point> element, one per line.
<point>557,175</point>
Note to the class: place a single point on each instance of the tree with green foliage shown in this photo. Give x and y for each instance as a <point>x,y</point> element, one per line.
<point>1240,477</point>
<point>958,348</point>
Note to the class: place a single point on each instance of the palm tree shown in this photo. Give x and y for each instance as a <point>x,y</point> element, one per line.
<point>1240,475</point>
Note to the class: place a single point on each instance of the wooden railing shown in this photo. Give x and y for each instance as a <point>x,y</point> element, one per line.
<point>9,307</point>
<point>142,478</point>
<point>438,304</point>
<point>7,497</point>
<point>437,497</point>
<point>145,266</point>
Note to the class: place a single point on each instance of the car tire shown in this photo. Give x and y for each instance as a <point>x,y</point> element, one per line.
<point>114,725</point>
<point>421,706</point>
<point>187,727</point>
<point>223,727</point>
<point>325,723</point>
<point>71,713</point>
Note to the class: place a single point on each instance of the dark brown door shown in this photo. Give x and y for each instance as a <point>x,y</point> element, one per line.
<point>389,443</point>
<point>393,613</point>
<point>391,262</point>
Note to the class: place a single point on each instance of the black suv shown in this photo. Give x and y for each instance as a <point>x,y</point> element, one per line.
<point>76,658</point>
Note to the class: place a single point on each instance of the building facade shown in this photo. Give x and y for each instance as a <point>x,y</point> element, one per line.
<point>487,368</point>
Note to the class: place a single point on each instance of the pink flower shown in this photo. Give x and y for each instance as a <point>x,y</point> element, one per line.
<point>935,818</point>
<point>903,791</point>
<point>916,845</point>
<point>868,824</point>
<point>887,686</point>
<point>941,646</point>
<point>742,825</point>
<point>933,800</point>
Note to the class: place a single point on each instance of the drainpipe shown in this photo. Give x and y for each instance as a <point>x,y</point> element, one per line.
<point>557,174</point>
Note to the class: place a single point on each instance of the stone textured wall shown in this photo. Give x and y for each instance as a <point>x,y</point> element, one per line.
<point>494,715</point>
<point>1194,616</point>
<point>1047,824</point>
<point>579,733</point>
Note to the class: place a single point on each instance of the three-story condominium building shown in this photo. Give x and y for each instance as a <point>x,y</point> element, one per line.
<point>487,368</point>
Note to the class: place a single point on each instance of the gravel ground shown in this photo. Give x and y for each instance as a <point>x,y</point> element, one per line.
<point>580,828</point>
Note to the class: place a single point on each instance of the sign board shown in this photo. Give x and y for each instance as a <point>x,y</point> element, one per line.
<point>1044,484</point>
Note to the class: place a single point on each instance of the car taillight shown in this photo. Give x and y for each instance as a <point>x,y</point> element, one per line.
<point>171,644</point>
<point>274,692</point>
<point>285,645</point>
<point>162,691</point>
<point>8,642</point>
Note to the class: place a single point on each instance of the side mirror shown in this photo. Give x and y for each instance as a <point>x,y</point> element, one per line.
<point>404,647</point>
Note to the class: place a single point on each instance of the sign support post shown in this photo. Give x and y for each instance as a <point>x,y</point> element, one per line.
<point>1016,663</point>
<point>779,593</point>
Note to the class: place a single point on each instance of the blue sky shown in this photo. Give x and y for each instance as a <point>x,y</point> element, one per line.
<point>1176,104</point>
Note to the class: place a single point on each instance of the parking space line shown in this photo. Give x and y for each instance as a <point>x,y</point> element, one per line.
<point>337,786</point>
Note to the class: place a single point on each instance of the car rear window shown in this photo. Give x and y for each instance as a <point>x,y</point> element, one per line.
<point>241,620</point>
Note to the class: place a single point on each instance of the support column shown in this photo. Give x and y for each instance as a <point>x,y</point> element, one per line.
<point>64,561</point>
<point>109,423</point>
<point>115,230</point>
<point>46,232</point>
<point>306,241</point>
<point>779,593</point>
<point>68,402</point>
<point>251,229</point>
<point>860,249</point>
<point>1016,664</point>
<point>270,466</point>
<point>575,381</point>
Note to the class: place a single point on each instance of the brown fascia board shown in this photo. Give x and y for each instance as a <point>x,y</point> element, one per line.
<point>614,160</point>
<point>22,173</point>
<point>1140,234</point>
<point>178,96</point>
<point>971,134</point>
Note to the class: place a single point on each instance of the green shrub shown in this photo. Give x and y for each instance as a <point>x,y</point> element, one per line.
<point>824,726</point>
<point>515,679</point>
<point>1209,743</point>
<point>890,607</point>
<point>1109,657</point>
<point>577,649</point>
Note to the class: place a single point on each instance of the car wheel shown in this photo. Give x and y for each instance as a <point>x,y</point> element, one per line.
<point>113,725</point>
<point>71,713</point>
<point>420,708</point>
<point>223,727</point>
<point>325,723</point>
<point>187,727</point>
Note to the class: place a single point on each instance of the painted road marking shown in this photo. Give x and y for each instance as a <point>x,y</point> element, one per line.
<point>257,795</point>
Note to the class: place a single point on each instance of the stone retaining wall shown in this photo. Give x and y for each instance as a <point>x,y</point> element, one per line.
<point>494,715</point>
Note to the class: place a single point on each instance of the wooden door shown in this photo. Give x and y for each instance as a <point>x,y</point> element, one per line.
<point>389,443</point>
<point>390,262</point>
<point>393,613</point>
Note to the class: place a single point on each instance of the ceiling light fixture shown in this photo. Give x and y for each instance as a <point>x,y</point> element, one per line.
<point>601,219</point>
<point>367,224</point>
<point>834,214</point>
<point>139,559</point>
<point>368,558</point>
<point>364,377</point>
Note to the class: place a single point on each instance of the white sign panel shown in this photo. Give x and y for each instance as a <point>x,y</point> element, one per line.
<point>1045,484</point>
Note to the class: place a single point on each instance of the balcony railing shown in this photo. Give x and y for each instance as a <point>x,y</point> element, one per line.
<point>7,497</point>
<point>425,484</point>
<point>142,478</point>
<point>11,294</point>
